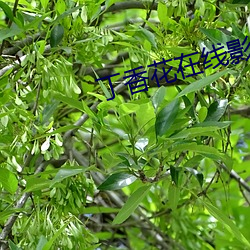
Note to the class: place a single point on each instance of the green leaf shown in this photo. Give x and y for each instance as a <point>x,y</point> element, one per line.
<point>66,172</point>
<point>245,2</point>
<point>166,117</point>
<point>162,12</point>
<point>197,85</point>
<point>174,172</point>
<point>13,31</point>
<point>173,196</point>
<point>8,180</point>
<point>198,175</point>
<point>98,210</point>
<point>132,203</point>
<point>9,211</point>
<point>147,35</point>
<point>227,223</point>
<point>70,101</point>
<point>49,244</point>
<point>204,150</point>
<point>49,110</point>
<point>216,36</point>
<point>117,181</point>
<point>41,243</point>
<point>56,35</point>
<point>158,97</point>
<point>128,108</point>
<point>7,10</point>
<point>216,110</point>
<point>68,12</point>
<point>44,3</point>
<point>193,132</point>
<point>13,246</point>
<point>219,125</point>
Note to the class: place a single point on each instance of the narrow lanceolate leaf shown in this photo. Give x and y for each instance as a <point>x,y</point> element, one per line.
<point>49,244</point>
<point>216,110</point>
<point>173,196</point>
<point>8,180</point>
<point>158,97</point>
<point>198,85</point>
<point>117,181</point>
<point>7,10</point>
<point>228,224</point>
<point>216,35</point>
<point>64,173</point>
<point>166,117</point>
<point>132,203</point>
<point>56,35</point>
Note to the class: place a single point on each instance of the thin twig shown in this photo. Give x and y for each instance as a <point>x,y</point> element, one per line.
<point>148,14</point>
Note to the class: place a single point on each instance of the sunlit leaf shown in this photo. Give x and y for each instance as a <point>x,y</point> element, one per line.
<point>198,85</point>
<point>198,175</point>
<point>8,180</point>
<point>216,110</point>
<point>117,181</point>
<point>158,97</point>
<point>229,224</point>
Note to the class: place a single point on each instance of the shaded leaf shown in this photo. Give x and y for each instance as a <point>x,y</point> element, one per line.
<point>70,101</point>
<point>240,2</point>
<point>173,196</point>
<point>117,181</point>
<point>166,117</point>
<point>216,36</point>
<point>41,243</point>
<point>35,184</point>
<point>64,173</point>
<point>49,244</point>
<point>216,110</point>
<point>98,210</point>
<point>213,124</point>
<point>198,175</point>
<point>13,246</point>
<point>56,35</point>
<point>193,132</point>
<point>132,203</point>
<point>162,12</point>
<point>5,214</point>
<point>7,10</point>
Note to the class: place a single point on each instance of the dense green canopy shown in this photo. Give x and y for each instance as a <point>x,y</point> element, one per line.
<point>124,124</point>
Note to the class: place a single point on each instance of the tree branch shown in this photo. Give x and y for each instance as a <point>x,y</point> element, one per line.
<point>236,177</point>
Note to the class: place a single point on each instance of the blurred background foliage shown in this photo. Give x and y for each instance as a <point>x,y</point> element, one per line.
<point>165,168</point>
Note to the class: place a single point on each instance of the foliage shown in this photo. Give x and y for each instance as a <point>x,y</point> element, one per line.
<point>165,168</point>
